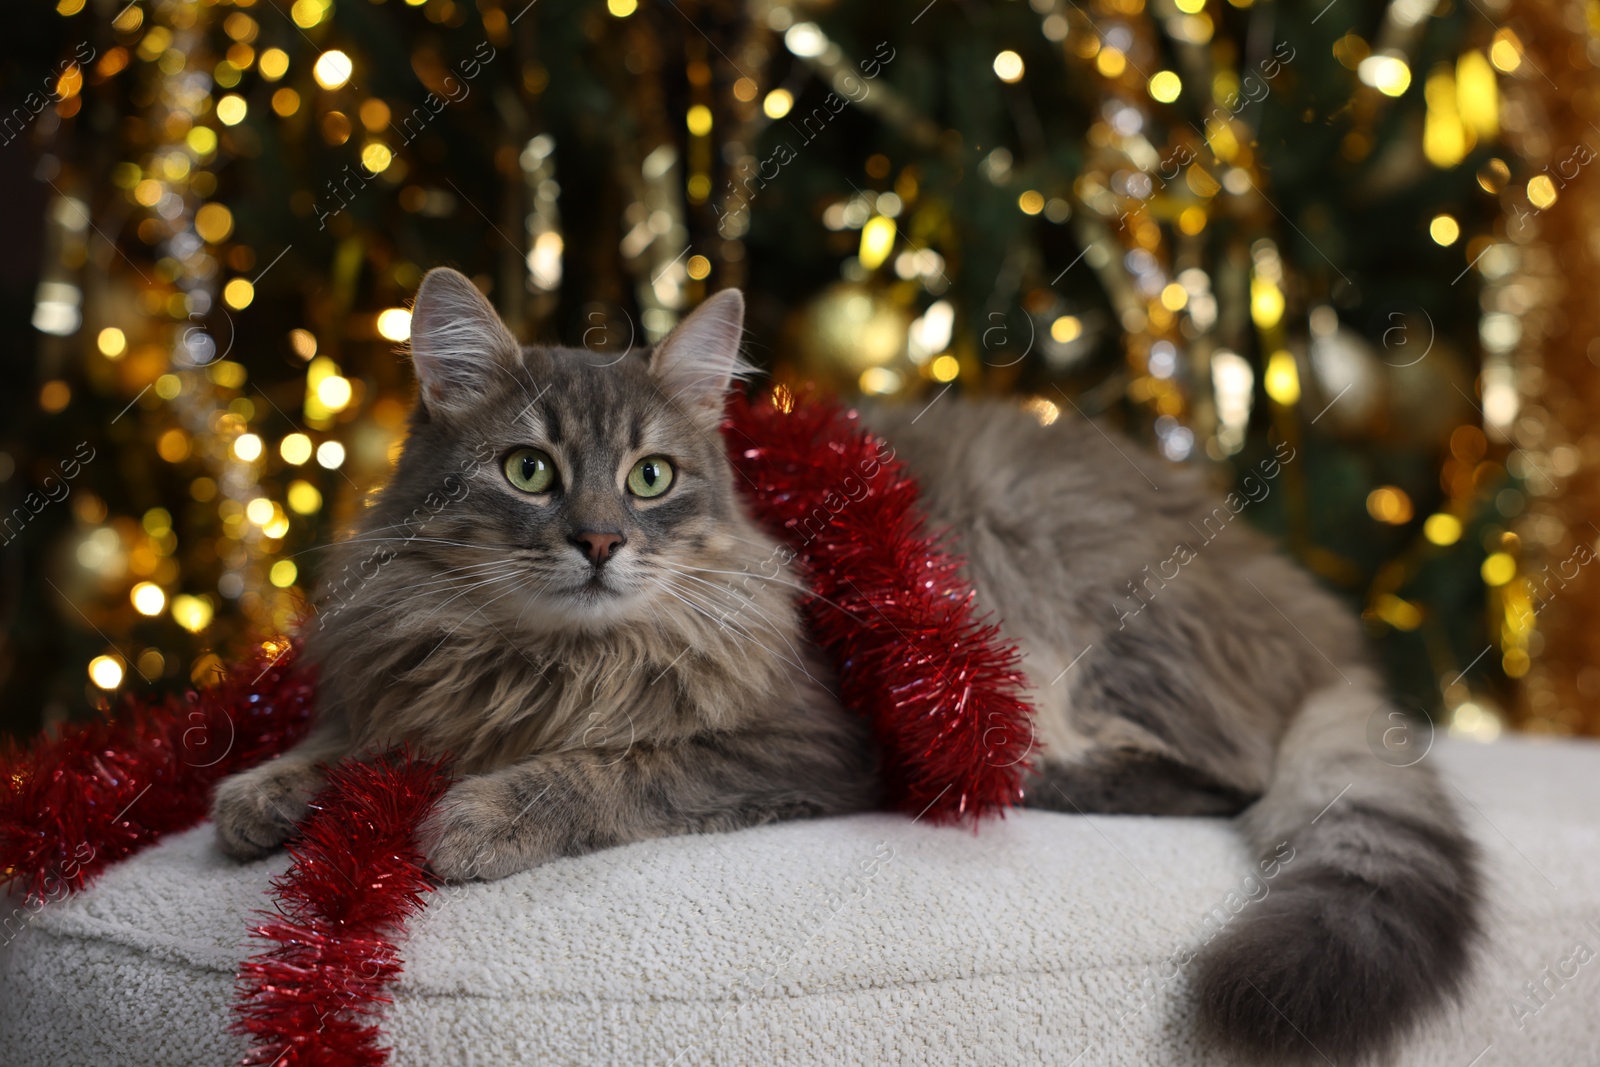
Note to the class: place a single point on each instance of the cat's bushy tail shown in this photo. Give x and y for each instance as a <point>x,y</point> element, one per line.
<point>1371,925</point>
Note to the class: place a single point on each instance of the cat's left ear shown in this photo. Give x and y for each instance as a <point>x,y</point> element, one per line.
<point>699,361</point>
<point>460,348</point>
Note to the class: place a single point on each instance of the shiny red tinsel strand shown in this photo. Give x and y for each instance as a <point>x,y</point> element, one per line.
<point>312,997</point>
<point>99,791</point>
<point>890,607</point>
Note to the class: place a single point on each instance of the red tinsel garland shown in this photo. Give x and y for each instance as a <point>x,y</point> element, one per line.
<point>102,790</point>
<point>890,607</point>
<point>311,999</point>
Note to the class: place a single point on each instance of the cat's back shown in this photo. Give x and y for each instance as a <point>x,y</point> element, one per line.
<point>993,469</point>
<point>1069,529</point>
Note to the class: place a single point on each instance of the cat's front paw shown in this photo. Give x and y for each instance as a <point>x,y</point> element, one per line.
<point>257,811</point>
<point>477,832</point>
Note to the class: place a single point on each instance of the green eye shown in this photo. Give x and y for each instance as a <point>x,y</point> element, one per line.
<point>651,476</point>
<point>530,470</point>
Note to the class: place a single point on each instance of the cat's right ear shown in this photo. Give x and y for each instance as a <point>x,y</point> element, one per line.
<point>459,346</point>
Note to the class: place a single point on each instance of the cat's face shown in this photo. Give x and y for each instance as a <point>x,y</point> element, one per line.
<point>555,488</point>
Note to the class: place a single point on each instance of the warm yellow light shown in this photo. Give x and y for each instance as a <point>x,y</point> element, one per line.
<point>1008,66</point>
<point>285,101</point>
<point>376,157</point>
<point>259,511</point>
<point>945,369</point>
<point>112,342</point>
<point>232,109</point>
<point>622,8</point>
<point>307,13</point>
<point>1473,721</point>
<point>699,120</point>
<point>1223,141</point>
<point>1174,297</point>
<point>238,293</point>
<point>1444,230</point>
<point>1506,51</point>
<point>394,324</point>
<point>149,192</point>
<point>274,64</point>
<point>1193,7</point>
<point>173,446</point>
<point>1398,612</point>
<point>1385,72</point>
<point>333,69</point>
<point>1282,379</point>
<point>193,613</point>
<point>1165,86</point>
<point>1266,303</point>
<point>304,342</point>
<point>1031,202</point>
<point>330,454</point>
<point>247,446</point>
<point>880,380</point>
<point>1499,568</point>
<point>105,671</point>
<point>1442,529</point>
<point>202,140</point>
<point>1044,410</point>
<point>877,241</point>
<point>777,103</point>
<point>148,599</point>
<point>1111,62</point>
<point>295,449</point>
<point>55,395</point>
<point>283,573</point>
<point>1192,220</point>
<point>276,526</point>
<point>304,499</point>
<point>1066,329</point>
<point>1390,504</point>
<point>213,222</point>
<point>69,7</point>
<point>1444,137</point>
<point>1477,94</point>
<point>1541,191</point>
<point>334,391</point>
<point>228,374</point>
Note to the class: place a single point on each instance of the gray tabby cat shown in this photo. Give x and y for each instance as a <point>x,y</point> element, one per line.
<point>559,587</point>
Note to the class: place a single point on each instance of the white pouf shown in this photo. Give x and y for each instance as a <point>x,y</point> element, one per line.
<point>861,940</point>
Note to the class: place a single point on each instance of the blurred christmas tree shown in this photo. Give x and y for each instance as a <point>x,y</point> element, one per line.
<point>1238,229</point>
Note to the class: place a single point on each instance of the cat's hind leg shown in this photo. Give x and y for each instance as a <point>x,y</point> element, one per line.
<point>1130,781</point>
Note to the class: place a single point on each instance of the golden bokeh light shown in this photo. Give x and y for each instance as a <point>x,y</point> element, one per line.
<point>232,109</point>
<point>111,342</point>
<point>147,598</point>
<point>1390,504</point>
<point>1008,66</point>
<point>106,671</point>
<point>333,68</point>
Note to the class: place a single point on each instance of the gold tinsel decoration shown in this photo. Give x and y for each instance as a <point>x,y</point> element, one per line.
<point>1558,383</point>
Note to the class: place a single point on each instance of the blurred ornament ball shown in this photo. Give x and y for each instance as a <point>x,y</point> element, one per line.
<point>853,337</point>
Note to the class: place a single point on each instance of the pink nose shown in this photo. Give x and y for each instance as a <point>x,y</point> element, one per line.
<point>598,545</point>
